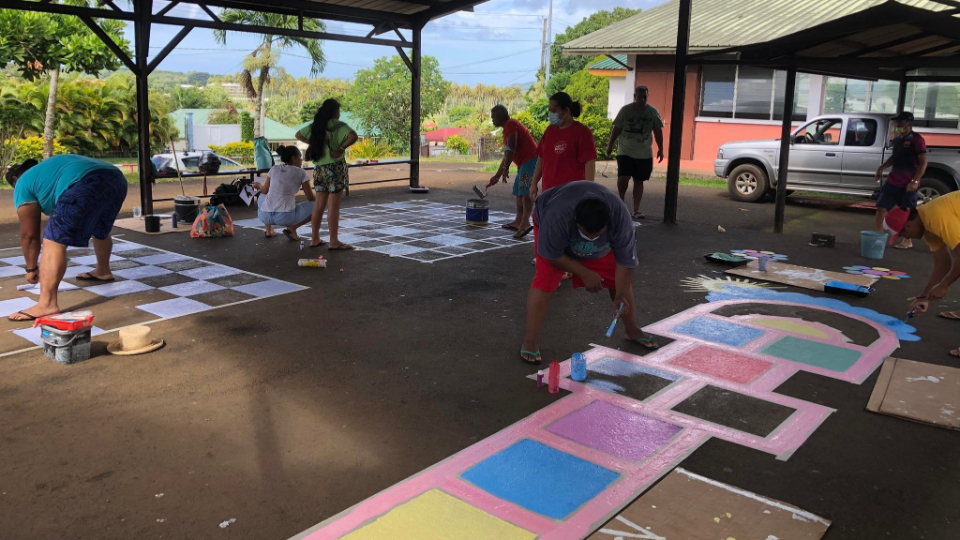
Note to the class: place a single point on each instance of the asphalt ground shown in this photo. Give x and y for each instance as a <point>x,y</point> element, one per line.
<point>285,411</point>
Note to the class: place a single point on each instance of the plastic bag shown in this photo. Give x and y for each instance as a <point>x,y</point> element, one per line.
<point>212,222</point>
<point>262,154</point>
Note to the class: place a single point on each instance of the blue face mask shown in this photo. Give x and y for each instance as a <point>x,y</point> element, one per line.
<point>555,119</point>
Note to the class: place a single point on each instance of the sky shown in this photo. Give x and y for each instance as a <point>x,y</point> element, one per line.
<point>464,43</point>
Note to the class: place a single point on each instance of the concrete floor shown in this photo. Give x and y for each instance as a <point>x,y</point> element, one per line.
<point>285,411</point>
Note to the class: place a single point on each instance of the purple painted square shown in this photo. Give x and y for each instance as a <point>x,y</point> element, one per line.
<point>615,431</point>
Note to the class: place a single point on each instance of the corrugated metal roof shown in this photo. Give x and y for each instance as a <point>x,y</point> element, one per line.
<point>719,24</point>
<point>609,64</point>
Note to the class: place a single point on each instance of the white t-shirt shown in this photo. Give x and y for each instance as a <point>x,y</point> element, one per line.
<point>285,182</point>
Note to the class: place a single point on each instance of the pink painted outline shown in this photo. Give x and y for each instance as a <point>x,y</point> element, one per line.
<point>635,477</point>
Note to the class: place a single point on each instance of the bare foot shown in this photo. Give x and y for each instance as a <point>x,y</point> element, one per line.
<point>33,313</point>
<point>906,243</point>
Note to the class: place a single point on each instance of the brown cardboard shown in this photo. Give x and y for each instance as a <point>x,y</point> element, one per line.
<point>920,392</point>
<point>690,507</point>
<point>799,276</point>
<point>136,225</point>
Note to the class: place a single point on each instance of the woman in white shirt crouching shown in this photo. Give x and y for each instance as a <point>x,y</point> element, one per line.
<point>277,204</point>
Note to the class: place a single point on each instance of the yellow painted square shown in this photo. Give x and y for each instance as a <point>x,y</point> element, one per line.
<point>438,516</point>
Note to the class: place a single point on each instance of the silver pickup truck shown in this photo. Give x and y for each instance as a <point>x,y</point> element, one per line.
<point>836,153</point>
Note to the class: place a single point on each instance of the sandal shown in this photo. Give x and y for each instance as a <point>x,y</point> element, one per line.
<point>638,215</point>
<point>318,244</point>
<point>265,235</point>
<point>903,247</point>
<point>534,357</point>
<point>341,247</point>
<point>647,342</point>
<point>951,315</point>
<point>509,227</point>
<point>87,276</point>
<point>27,317</point>
<point>521,234</point>
<point>290,236</point>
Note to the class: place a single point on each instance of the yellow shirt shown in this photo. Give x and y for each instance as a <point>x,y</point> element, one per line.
<point>941,219</point>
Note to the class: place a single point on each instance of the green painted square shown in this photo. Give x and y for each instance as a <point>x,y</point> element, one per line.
<point>813,353</point>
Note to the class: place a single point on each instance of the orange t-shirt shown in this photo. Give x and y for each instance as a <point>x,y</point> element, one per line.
<point>565,153</point>
<point>526,147</point>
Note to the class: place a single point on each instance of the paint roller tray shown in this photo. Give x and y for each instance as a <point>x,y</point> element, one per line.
<point>841,287</point>
<point>726,259</point>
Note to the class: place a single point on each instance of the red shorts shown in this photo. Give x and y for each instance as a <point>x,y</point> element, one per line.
<point>548,276</point>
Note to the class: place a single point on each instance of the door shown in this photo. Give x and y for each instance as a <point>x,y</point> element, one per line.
<point>862,153</point>
<point>815,155</point>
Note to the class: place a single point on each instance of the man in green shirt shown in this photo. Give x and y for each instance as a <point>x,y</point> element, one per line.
<point>636,125</point>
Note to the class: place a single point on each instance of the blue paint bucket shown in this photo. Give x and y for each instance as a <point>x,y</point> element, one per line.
<point>872,244</point>
<point>478,212</point>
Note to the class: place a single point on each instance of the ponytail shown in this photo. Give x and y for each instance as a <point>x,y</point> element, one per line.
<point>318,132</point>
<point>564,101</point>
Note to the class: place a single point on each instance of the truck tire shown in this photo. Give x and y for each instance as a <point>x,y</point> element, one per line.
<point>932,187</point>
<point>748,183</point>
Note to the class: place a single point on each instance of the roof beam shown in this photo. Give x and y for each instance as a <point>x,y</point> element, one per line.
<point>66,9</point>
<point>936,49</point>
<point>445,9</point>
<point>108,41</point>
<point>885,45</point>
<point>615,59</point>
<point>801,62</point>
<point>310,9</point>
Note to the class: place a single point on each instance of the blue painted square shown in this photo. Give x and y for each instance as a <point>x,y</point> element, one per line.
<point>539,478</point>
<point>719,331</point>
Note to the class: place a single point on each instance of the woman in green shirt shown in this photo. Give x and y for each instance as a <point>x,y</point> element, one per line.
<point>329,139</point>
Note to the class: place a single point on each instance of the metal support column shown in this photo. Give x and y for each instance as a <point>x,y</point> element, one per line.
<point>141,27</point>
<point>415,82</point>
<point>786,130</point>
<point>902,94</point>
<point>676,114</point>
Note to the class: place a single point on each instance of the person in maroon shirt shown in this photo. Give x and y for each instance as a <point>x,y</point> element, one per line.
<point>520,148</point>
<point>908,162</point>
<point>567,152</point>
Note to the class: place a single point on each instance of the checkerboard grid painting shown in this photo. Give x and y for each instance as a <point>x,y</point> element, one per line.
<point>140,268</point>
<point>417,230</point>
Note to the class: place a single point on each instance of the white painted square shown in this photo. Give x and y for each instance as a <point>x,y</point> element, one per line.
<point>73,271</point>
<point>191,288</point>
<point>16,304</point>
<point>120,247</point>
<point>398,231</point>
<point>210,272</point>
<point>270,287</point>
<point>15,261</point>
<point>140,272</point>
<point>118,288</point>
<point>10,271</point>
<point>448,240</point>
<point>64,286</point>
<point>161,258</point>
<point>174,307</point>
<point>33,334</point>
<point>92,259</point>
<point>396,249</point>
<point>353,223</point>
<point>249,223</point>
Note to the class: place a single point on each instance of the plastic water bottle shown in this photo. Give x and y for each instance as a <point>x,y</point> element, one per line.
<point>173,220</point>
<point>312,263</point>
<point>554,376</point>
<point>578,367</point>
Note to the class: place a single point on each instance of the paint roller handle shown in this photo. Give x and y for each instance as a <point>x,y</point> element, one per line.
<point>615,319</point>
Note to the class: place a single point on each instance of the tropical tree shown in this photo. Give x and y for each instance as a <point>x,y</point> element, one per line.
<point>265,56</point>
<point>596,21</point>
<point>39,43</point>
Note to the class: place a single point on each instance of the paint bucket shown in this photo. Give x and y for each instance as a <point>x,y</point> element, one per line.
<point>762,262</point>
<point>478,212</point>
<point>65,346</point>
<point>151,224</point>
<point>872,244</point>
<point>186,208</point>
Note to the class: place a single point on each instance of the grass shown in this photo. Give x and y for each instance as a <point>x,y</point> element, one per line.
<point>494,166</point>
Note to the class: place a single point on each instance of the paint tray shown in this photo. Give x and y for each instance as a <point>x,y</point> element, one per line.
<point>841,287</point>
<point>726,259</point>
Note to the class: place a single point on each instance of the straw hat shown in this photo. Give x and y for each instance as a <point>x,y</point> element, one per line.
<point>134,340</point>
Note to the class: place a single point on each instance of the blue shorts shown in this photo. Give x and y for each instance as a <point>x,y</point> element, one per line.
<point>896,196</point>
<point>524,178</point>
<point>287,219</point>
<point>87,208</point>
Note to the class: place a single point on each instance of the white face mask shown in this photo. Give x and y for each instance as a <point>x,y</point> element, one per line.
<point>587,238</point>
<point>555,119</point>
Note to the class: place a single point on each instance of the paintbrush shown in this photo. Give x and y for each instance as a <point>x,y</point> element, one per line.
<point>913,312</point>
<point>615,319</point>
<point>481,194</point>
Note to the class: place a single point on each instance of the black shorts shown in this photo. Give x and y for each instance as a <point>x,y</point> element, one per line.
<point>639,169</point>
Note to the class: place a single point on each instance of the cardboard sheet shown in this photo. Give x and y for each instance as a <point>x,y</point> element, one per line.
<point>136,225</point>
<point>690,507</point>
<point>924,393</point>
<point>799,276</point>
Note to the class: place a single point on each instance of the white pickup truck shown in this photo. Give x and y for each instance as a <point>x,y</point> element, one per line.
<point>836,153</point>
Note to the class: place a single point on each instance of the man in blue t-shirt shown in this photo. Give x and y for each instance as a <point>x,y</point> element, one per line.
<point>82,196</point>
<point>585,229</point>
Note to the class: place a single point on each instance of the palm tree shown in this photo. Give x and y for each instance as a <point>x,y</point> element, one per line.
<point>265,56</point>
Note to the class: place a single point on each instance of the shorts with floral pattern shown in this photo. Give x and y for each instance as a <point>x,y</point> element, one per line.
<point>331,178</point>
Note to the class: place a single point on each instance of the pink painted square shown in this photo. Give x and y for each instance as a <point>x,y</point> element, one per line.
<point>615,431</point>
<point>722,364</point>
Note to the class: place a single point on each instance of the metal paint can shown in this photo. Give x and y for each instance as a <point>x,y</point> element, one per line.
<point>478,212</point>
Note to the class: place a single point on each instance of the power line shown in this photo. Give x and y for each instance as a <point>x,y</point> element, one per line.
<point>494,58</point>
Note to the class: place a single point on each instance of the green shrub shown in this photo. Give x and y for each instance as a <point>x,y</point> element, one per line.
<point>458,144</point>
<point>32,148</point>
<point>239,151</point>
<point>536,127</point>
<point>369,149</point>
<point>601,126</point>
<point>246,126</point>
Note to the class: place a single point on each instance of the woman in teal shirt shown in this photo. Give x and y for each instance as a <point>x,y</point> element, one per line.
<point>329,139</point>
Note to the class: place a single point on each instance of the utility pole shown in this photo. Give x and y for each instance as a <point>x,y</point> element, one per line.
<point>546,78</point>
<point>543,46</point>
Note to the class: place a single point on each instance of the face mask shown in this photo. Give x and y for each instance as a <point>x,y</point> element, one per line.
<point>555,119</point>
<point>900,130</point>
<point>587,238</point>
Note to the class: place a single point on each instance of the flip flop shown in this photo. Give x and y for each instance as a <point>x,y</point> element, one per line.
<point>509,227</point>
<point>342,247</point>
<point>536,357</point>
<point>521,234</point>
<point>638,215</point>
<point>265,235</point>
<point>321,243</point>
<point>898,246</point>
<point>951,315</point>
<point>91,277</point>
<point>955,352</point>
<point>28,316</point>
<point>289,235</point>
<point>647,342</point>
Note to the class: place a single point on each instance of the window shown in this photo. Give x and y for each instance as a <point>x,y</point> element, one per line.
<point>861,132</point>
<point>825,131</point>
<point>191,162</point>
<point>933,104</point>
<point>750,93</point>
